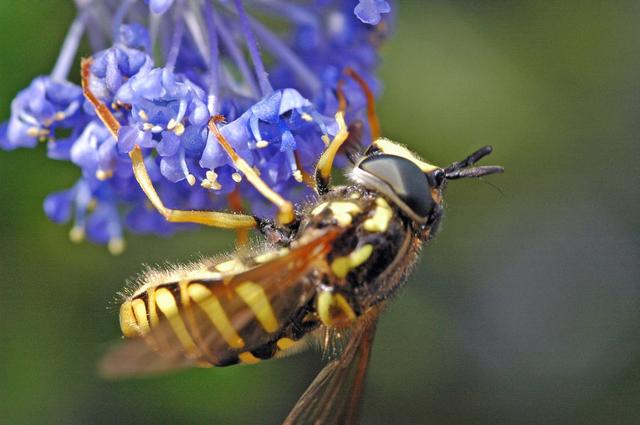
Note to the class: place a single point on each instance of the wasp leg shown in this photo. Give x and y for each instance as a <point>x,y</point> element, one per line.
<point>306,177</point>
<point>286,213</point>
<point>325,163</point>
<point>209,218</point>
<point>235,202</point>
<point>374,123</point>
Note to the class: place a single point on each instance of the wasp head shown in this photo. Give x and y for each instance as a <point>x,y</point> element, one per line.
<point>411,183</point>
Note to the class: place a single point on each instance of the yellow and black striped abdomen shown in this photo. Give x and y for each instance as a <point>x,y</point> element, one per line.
<point>203,319</point>
<point>227,313</point>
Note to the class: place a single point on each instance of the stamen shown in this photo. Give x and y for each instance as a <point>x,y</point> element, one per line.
<point>254,126</point>
<point>181,110</point>
<point>103,175</point>
<point>211,181</point>
<point>82,200</point>
<point>76,234</point>
<point>33,132</point>
<point>116,246</point>
<point>179,129</point>
<point>236,177</point>
<point>191,179</point>
<point>294,166</point>
<point>262,144</point>
<point>143,115</point>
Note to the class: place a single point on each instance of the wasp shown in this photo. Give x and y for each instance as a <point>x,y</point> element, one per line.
<point>324,269</point>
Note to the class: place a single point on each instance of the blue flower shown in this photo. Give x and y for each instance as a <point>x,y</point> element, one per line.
<point>369,11</point>
<point>163,86</point>
<point>112,67</point>
<point>159,6</point>
<point>41,109</point>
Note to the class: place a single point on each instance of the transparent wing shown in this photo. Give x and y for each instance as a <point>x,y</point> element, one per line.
<point>334,395</point>
<point>208,321</point>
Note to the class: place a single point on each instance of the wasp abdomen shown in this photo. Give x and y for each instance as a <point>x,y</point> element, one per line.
<point>212,323</point>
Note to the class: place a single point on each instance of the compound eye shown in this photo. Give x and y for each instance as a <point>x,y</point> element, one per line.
<point>406,180</point>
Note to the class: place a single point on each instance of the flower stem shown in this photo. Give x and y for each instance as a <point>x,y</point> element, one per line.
<point>235,52</point>
<point>176,39</point>
<point>265,85</point>
<point>69,47</point>
<point>118,18</point>
<point>285,54</point>
<point>214,66</point>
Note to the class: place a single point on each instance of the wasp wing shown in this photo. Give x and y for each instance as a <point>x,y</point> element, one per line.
<point>209,318</point>
<point>334,395</point>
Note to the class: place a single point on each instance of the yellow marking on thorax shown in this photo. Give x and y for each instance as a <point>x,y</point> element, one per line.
<point>128,323</point>
<point>248,358</point>
<point>381,218</point>
<point>341,266</point>
<point>210,304</point>
<point>285,343</point>
<point>230,266</point>
<point>254,296</point>
<point>140,311</point>
<point>343,211</point>
<point>168,306</point>
<point>326,306</point>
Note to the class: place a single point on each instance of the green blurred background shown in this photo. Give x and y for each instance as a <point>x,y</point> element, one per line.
<point>525,309</point>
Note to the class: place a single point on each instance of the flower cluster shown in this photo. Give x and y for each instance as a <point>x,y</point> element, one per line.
<point>164,68</point>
